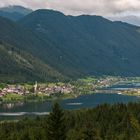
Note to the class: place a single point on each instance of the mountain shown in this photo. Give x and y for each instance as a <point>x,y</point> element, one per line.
<point>92,45</point>
<point>20,66</point>
<point>74,46</point>
<point>134,20</point>
<point>12,16</point>
<point>44,49</point>
<point>17,64</point>
<point>18,9</point>
<point>14,12</point>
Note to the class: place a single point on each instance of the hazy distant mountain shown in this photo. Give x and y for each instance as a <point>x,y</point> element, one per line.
<point>17,9</point>
<point>14,12</point>
<point>12,16</point>
<point>135,20</point>
<point>76,46</point>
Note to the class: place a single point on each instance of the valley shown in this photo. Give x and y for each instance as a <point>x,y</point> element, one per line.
<point>71,74</point>
<point>71,58</point>
<point>72,89</point>
<point>48,46</point>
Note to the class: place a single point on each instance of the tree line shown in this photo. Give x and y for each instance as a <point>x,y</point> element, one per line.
<point>105,122</point>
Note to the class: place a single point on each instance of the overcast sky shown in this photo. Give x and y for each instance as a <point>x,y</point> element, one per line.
<point>96,7</point>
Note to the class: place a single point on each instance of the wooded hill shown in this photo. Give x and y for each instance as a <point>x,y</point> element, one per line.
<point>75,46</point>
<point>105,122</point>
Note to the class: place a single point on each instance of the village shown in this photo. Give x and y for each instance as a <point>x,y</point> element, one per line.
<point>71,89</point>
<point>36,89</point>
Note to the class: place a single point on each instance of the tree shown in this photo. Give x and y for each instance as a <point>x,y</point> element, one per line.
<point>90,133</point>
<point>131,127</point>
<point>56,124</point>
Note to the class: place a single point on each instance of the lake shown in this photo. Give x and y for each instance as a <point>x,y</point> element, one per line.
<point>42,108</point>
<point>85,101</point>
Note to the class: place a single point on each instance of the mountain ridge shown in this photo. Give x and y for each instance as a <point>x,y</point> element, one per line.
<point>131,19</point>
<point>14,12</point>
<point>16,8</point>
<point>93,30</point>
<point>20,66</point>
<point>76,46</point>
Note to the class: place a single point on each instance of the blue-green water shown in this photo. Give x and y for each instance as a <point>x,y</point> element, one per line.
<point>124,86</point>
<point>85,101</point>
<point>14,110</point>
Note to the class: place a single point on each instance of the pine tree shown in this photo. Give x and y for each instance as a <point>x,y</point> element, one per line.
<point>89,134</point>
<point>56,124</point>
<point>131,127</point>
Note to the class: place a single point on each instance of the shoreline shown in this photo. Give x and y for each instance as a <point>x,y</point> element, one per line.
<point>68,97</point>
<point>36,98</point>
<point>86,86</point>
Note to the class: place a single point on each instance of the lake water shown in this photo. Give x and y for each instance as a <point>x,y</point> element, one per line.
<point>84,101</point>
<point>42,108</point>
<point>124,86</point>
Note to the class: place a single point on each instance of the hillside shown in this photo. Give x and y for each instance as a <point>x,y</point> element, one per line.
<point>76,46</point>
<point>94,44</point>
<point>19,66</point>
<point>24,39</point>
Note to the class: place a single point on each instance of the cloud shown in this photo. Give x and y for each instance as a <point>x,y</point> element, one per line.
<point>98,7</point>
<point>101,7</point>
<point>35,4</point>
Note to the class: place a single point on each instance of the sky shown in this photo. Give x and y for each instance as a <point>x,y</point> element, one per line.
<point>77,7</point>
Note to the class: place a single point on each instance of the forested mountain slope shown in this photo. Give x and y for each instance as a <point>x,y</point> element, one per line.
<point>76,46</point>
<point>19,66</point>
<point>94,44</point>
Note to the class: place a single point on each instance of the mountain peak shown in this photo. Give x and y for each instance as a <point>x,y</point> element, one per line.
<point>48,12</point>
<point>14,12</point>
<point>16,9</point>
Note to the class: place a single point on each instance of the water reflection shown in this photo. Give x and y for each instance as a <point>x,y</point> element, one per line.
<point>8,106</point>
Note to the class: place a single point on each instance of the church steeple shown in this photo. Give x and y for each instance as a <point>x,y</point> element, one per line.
<point>35,87</point>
